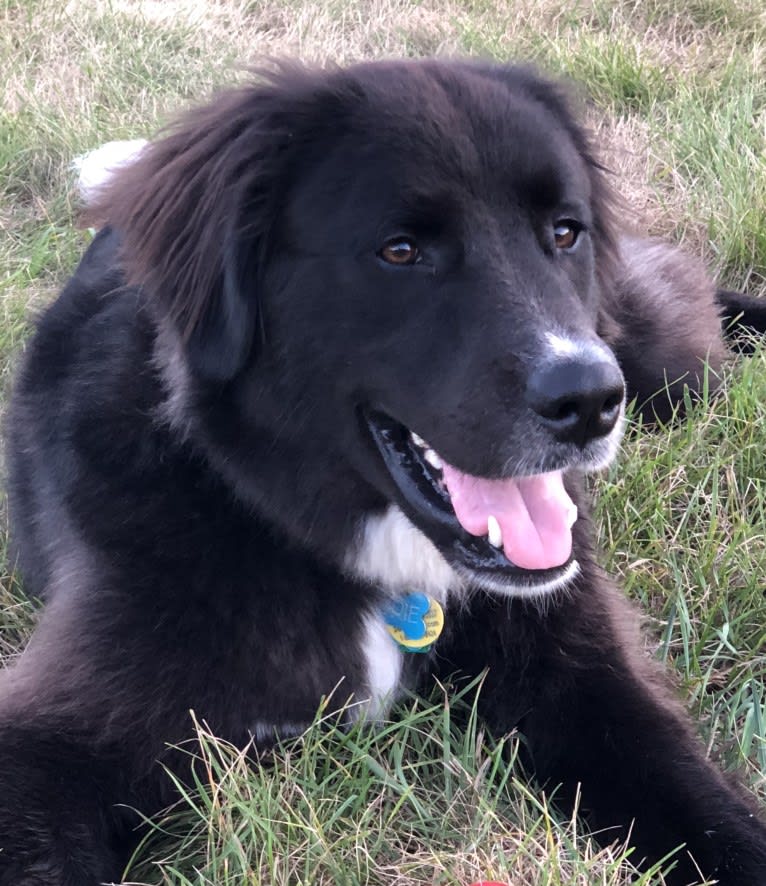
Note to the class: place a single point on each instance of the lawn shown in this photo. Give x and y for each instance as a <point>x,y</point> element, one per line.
<point>677,97</point>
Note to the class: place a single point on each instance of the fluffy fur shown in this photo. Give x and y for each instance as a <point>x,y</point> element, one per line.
<point>204,491</point>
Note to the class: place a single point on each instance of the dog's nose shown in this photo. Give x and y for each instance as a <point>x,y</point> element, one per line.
<point>577,399</point>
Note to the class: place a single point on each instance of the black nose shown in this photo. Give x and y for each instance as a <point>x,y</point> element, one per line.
<point>578,399</point>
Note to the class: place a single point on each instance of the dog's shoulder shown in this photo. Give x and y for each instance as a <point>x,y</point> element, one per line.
<point>96,321</point>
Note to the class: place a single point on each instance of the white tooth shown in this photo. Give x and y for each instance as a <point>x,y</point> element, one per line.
<point>418,440</point>
<point>494,532</point>
<point>571,516</point>
<point>433,459</point>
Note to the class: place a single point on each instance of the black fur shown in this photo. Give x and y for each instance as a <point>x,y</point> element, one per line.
<point>742,317</point>
<point>191,465</point>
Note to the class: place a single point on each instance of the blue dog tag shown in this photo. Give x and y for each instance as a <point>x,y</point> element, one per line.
<point>414,621</point>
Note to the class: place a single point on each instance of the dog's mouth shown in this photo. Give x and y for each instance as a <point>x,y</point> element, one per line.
<point>504,533</point>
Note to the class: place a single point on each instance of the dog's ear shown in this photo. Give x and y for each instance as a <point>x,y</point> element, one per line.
<point>194,213</point>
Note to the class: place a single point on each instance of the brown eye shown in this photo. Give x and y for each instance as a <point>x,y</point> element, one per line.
<point>400,251</point>
<point>565,234</point>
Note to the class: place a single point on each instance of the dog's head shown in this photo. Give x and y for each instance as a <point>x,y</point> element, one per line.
<point>386,281</point>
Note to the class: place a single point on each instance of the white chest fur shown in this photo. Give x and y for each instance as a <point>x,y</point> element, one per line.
<point>394,555</point>
<point>383,664</point>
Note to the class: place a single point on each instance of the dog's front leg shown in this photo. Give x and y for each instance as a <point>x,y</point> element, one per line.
<point>597,718</point>
<point>59,822</point>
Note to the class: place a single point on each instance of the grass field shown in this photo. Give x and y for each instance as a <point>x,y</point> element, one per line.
<point>678,97</point>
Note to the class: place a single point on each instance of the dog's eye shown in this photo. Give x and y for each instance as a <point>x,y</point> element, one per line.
<point>400,251</point>
<point>566,233</point>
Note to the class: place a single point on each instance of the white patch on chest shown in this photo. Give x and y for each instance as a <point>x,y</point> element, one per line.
<point>383,665</point>
<point>395,556</point>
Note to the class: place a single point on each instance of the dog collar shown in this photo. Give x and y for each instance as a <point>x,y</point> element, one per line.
<point>414,621</point>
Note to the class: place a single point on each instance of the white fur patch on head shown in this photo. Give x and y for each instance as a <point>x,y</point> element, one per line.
<point>96,167</point>
<point>383,660</point>
<point>563,346</point>
<point>397,557</point>
<point>560,347</point>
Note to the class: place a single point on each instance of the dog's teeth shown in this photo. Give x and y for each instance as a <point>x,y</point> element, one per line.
<point>494,532</point>
<point>433,459</point>
<point>572,516</point>
<point>418,440</point>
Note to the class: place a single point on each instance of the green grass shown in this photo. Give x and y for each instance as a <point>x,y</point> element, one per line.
<point>683,520</point>
<point>678,95</point>
<point>416,801</point>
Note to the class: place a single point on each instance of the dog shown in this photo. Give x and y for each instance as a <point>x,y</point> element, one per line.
<point>314,411</point>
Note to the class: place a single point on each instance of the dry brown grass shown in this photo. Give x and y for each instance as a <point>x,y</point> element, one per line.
<point>96,70</point>
<point>63,61</point>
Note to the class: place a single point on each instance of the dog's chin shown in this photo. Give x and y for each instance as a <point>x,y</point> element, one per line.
<point>533,588</point>
<point>477,560</point>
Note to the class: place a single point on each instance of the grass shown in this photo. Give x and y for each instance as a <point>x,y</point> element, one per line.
<point>678,91</point>
<point>418,801</point>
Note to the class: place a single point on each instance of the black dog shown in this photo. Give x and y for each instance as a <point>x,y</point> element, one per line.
<point>220,480</point>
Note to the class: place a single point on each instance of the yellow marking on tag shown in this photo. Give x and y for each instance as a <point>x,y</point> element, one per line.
<point>433,620</point>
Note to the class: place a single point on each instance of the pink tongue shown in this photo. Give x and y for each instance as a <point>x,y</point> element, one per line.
<point>535,514</point>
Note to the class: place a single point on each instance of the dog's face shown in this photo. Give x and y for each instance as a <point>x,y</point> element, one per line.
<point>428,290</point>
